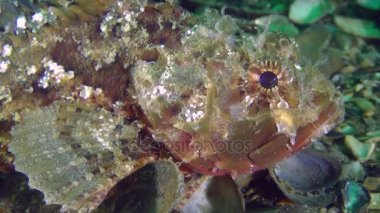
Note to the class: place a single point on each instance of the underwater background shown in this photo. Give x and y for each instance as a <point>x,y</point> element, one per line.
<point>339,172</point>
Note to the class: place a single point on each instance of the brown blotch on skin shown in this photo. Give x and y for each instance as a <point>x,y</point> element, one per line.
<point>6,157</point>
<point>132,112</point>
<point>159,21</point>
<point>21,99</point>
<point>186,95</point>
<point>113,80</point>
<point>6,125</point>
<point>66,54</point>
<point>96,33</point>
<point>150,55</point>
<point>168,37</point>
<point>46,96</point>
<point>172,110</point>
<point>149,19</point>
<point>170,12</point>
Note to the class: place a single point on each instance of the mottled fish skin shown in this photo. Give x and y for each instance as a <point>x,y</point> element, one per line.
<point>194,83</point>
<point>73,152</point>
<point>211,104</point>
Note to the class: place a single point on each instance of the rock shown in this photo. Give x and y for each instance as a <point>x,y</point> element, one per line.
<point>217,194</point>
<point>153,188</point>
<point>353,171</point>
<point>309,11</point>
<point>369,4</point>
<point>375,202</point>
<point>346,130</point>
<point>355,197</point>
<point>358,27</point>
<point>277,23</point>
<point>372,183</point>
<point>366,106</point>
<point>312,50</point>
<point>362,151</point>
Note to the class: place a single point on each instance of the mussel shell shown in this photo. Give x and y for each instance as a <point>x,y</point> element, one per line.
<point>308,170</point>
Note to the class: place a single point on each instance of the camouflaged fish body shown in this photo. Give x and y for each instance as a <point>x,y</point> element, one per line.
<point>73,152</point>
<point>198,86</point>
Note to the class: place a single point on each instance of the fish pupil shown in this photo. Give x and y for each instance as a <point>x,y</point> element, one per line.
<point>268,79</point>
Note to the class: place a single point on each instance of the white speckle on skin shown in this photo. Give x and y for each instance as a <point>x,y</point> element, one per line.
<point>29,90</point>
<point>38,17</point>
<point>89,176</point>
<point>54,73</point>
<point>86,92</point>
<point>110,57</point>
<point>128,168</point>
<point>4,66</point>
<point>21,22</point>
<point>31,70</point>
<point>98,91</point>
<point>298,67</point>
<point>7,50</point>
<point>159,90</point>
<point>43,82</point>
<point>102,170</point>
<point>61,150</point>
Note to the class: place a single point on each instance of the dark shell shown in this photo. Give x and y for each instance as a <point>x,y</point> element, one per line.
<point>153,188</point>
<point>308,170</point>
<point>308,177</point>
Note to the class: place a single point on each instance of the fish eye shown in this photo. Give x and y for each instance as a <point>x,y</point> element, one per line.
<point>268,79</point>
